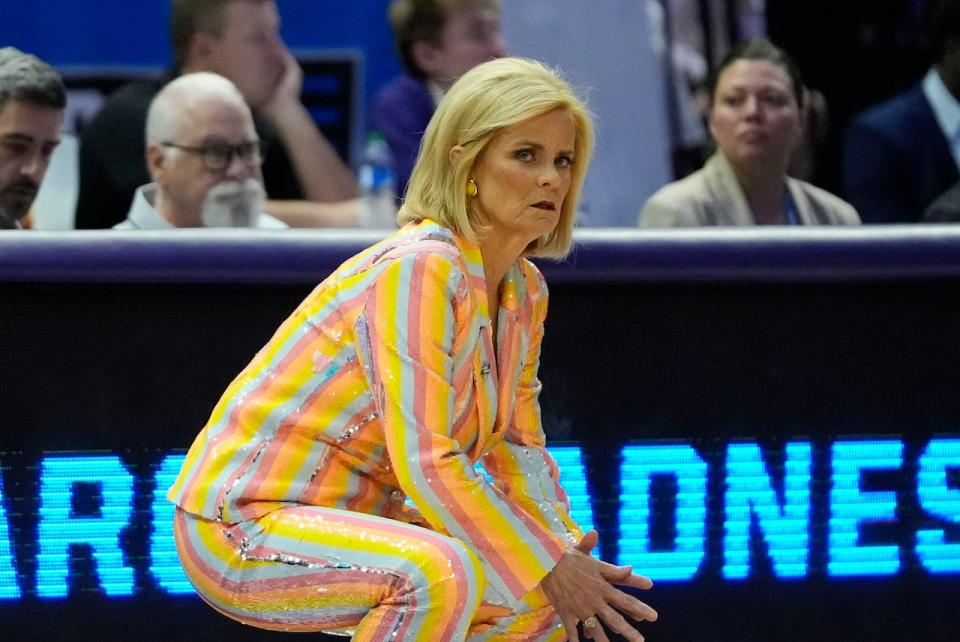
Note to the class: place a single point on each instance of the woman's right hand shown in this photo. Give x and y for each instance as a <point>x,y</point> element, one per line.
<point>581,586</point>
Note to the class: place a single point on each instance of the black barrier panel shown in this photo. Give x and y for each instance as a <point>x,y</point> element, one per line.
<point>777,444</point>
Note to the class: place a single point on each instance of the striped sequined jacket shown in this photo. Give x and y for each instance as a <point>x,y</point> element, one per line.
<point>383,385</point>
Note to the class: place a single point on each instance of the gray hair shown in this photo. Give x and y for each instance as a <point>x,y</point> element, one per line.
<point>165,121</point>
<point>26,78</point>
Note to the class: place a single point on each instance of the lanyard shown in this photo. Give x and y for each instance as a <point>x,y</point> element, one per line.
<point>790,212</point>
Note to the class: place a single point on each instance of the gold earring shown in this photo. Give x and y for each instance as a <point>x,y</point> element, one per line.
<point>472,190</point>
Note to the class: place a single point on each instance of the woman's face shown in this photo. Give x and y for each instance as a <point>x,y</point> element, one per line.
<point>523,177</point>
<point>755,118</point>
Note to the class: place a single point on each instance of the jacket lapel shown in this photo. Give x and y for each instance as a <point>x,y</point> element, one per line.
<point>485,375</point>
<point>511,345</point>
<point>496,376</point>
<point>730,202</point>
<point>485,387</point>
<point>804,207</point>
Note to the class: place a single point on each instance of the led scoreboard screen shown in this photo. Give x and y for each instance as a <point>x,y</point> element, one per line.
<point>782,458</point>
<point>90,500</point>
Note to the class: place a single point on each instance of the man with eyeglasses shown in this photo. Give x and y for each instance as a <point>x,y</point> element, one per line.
<point>32,100</point>
<point>203,157</point>
<point>307,181</point>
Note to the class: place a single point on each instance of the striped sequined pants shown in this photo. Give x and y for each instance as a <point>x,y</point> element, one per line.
<point>309,568</point>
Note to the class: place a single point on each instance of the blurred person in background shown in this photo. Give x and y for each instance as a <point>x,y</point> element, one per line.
<point>438,41</point>
<point>946,209</point>
<point>903,153</point>
<point>203,156</point>
<point>32,102</point>
<point>756,119</point>
<point>306,181</point>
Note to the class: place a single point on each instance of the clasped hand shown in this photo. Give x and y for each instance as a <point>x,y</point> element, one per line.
<point>581,586</point>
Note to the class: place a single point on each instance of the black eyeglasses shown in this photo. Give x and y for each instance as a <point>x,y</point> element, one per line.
<point>218,156</point>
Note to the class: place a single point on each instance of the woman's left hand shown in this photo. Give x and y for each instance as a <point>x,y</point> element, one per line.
<point>581,587</point>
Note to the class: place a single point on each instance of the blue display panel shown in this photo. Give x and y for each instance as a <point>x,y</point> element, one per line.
<point>84,501</point>
<point>164,563</point>
<point>9,587</point>
<point>941,499</point>
<point>87,503</point>
<point>850,507</point>
<point>680,558</point>
<point>783,518</point>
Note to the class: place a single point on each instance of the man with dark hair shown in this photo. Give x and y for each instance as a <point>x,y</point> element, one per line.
<point>32,101</point>
<point>438,40</point>
<point>902,154</point>
<point>240,40</point>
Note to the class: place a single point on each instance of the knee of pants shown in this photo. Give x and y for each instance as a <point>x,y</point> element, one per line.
<point>450,573</point>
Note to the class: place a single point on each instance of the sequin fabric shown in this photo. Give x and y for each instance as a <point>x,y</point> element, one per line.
<point>385,385</point>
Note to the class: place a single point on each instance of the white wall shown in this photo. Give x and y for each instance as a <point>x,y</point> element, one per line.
<point>604,48</point>
<point>57,199</point>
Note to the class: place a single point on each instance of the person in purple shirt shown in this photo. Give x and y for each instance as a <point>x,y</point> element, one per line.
<point>438,41</point>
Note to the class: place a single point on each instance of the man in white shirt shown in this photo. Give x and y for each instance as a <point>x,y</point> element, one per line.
<point>204,158</point>
<point>309,185</point>
<point>32,100</point>
<point>902,154</point>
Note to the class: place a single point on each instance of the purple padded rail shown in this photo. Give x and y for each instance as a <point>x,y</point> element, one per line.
<point>609,255</point>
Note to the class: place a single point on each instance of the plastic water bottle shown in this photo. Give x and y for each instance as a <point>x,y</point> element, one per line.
<point>378,184</point>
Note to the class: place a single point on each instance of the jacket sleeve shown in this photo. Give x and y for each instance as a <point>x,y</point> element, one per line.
<point>412,332</point>
<point>666,209</point>
<point>873,176</point>
<point>520,465</point>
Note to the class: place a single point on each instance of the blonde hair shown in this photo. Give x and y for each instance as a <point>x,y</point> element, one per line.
<point>485,100</point>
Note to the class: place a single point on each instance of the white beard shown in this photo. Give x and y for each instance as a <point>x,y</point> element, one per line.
<point>233,204</point>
